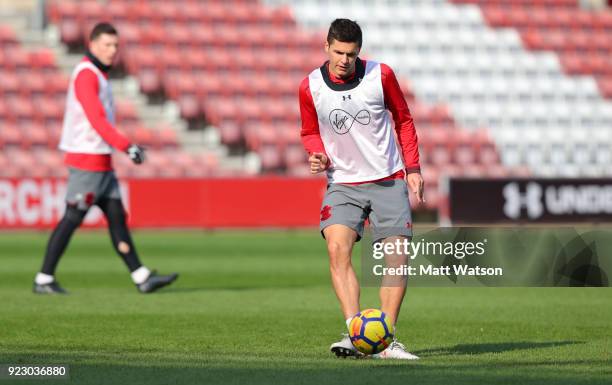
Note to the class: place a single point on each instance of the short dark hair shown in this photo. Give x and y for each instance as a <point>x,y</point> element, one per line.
<point>101,28</point>
<point>345,30</point>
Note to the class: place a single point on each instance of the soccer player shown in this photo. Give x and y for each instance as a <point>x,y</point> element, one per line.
<point>88,138</point>
<point>347,132</point>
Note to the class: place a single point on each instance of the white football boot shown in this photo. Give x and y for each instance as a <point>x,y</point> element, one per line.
<point>344,348</point>
<point>395,351</point>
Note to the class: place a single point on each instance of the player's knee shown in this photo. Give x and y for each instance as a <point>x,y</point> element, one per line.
<point>339,254</point>
<point>74,216</point>
<point>123,247</point>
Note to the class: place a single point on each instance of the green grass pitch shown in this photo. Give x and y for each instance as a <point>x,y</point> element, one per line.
<point>258,308</point>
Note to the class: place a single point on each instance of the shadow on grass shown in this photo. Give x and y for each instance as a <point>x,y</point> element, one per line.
<point>90,368</point>
<point>494,347</point>
<point>178,290</point>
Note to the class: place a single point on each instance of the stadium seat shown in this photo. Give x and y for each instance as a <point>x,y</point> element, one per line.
<point>270,156</point>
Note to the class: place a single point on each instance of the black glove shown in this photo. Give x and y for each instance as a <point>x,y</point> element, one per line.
<point>136,153</point>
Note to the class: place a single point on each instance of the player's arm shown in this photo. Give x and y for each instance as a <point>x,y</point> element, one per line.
<point>86,88</point>
<point>311,137</point>
<point>404,126</point>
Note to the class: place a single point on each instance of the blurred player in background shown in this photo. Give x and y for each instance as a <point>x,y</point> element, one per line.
<point>347,131</point>
<point>88,138</point>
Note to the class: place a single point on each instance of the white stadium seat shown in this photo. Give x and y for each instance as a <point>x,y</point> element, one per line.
<point>534,111</point>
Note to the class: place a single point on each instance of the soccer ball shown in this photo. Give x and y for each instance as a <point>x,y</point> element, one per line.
<point>370,331</point>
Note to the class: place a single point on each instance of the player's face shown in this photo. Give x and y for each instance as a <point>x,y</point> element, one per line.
<point>105,48</point>
<point>342,57</point>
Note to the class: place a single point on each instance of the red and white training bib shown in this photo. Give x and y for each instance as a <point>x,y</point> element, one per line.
<point>355,126</point>
<point>78,136</point>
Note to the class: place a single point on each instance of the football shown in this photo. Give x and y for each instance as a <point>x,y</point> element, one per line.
<point>370,331</point>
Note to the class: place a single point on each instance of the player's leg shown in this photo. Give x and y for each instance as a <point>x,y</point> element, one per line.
<point>391,221</point>
<point>342,217</point>
<point>340,240</point>
<point>393,287</point>
<point>44,282</point>
<point>80,195</point>
<point>146,281</point>
<point>120,235</point>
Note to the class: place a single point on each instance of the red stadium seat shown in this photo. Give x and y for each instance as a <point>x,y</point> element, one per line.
<point>168,12</point>
<point>149,82</point>
<point>295,155</point>
<point>463,154</point>
<point>125,112</point>
<point>168,138</point>
<point>144,137</point>
<point>270,157</point>
<point>59,10</point>
<point>10,84</point>
<point>191,12</point>
<point>230,132</point>
<point>4,162</point>
<point>179,35</point>
<point>179,84</point>
<point>189,107</point>
<point>33,84</point>
<point>43,59</point>
<point>92,12</point>
<point>118,12</point>
<point>54,160</point>
<point>252,111</point>
<point>11,136</point>
<point>257,134</point>
<point>573,63</point>
<point>130,35</point>
<point>8,38</point>
<point>220,111</point>
<point>263,16</point>
<point>195,59</point>
<point>247,61</point>
<point>18,60</point>
<point>22,108</point>
<point>36,136</point>
<point>70,32</point>
<point>236,85</point>
<point>269,60</point>
<point>282,16</point>
<point>209,86</point>
<point>57,85</point>
<point>203,37</point>
<point>605,85</point>
<point>220,62</point>
<point>50,111</point>
<point>172,62</point>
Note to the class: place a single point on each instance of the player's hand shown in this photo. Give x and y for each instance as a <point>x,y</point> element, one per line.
<point>318,162</point>
<point>416,184</point>
<point>136,153</point>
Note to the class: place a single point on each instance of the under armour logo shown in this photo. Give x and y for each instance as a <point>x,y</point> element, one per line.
<point>346,97</point>
<point>515,200</point>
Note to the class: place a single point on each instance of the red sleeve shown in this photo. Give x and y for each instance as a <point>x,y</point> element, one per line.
<point>86,88</point>
<point>404,125</point>
<point>311,138</point>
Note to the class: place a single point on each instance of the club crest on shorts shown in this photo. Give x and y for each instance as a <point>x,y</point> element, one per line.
<point>325,213</point>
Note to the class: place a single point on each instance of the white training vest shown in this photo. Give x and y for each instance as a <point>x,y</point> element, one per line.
<point>78,136</point>
<point>356,128</point>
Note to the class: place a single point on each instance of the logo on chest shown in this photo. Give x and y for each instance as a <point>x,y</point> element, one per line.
<point>342,121</point>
